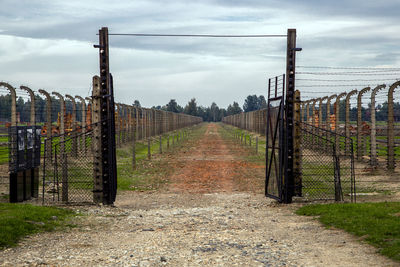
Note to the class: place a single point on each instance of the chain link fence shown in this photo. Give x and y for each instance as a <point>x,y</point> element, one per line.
<point>327,165</point>
<point>68,167</point>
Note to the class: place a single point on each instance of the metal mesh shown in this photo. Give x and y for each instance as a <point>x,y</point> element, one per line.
<point>68,167</point>
<point>327,166</point>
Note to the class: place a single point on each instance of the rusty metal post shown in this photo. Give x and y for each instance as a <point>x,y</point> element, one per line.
<point>373,154</point>
<point>360,143</point>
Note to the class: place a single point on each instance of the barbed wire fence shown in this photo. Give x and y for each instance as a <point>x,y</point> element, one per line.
<point>376,144</point>
<point>66,124</point>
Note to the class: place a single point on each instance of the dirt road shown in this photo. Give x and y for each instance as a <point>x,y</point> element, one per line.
<point>210,214</point>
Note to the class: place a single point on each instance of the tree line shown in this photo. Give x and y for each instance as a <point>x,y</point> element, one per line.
<point>213,112</point>
<point>210,113</point>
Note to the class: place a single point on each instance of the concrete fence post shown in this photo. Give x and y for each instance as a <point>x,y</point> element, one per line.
<point>62,149</point>
<point>347,121</point>
<point>390,128</point>
<point>360,143</point>
<point>373,154</point>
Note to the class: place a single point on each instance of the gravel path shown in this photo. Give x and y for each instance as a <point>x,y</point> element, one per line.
<point>217,226</point>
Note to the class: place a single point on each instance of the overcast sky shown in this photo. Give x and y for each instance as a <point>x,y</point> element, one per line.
<point>49,44</point>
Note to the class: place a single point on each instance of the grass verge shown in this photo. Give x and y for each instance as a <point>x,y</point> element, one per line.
<point>151,174</point>
<point>20,220</point>
<point>377,223</point>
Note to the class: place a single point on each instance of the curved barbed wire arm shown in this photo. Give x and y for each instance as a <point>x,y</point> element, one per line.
<point>390,128</point>
<point>13,102</point>
<point>328,110</point>
<point>32,108</point>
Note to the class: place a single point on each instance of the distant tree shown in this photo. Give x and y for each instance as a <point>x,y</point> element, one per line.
<point>233,109</point>
<point>214,111</point>
<point>136,103</point>
<point>262,103</point>
<point>191,107</point>
<point>156,107</point>
<point>251,103</point>
<point>173,106</point>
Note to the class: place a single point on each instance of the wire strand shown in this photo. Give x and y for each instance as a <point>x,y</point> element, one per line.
<point>199,35</point>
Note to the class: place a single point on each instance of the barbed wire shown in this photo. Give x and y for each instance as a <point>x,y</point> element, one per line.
<point>353,73</point>
<point>349,68</point>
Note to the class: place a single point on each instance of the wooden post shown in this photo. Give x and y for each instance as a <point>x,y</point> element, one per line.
<point>160,144</point>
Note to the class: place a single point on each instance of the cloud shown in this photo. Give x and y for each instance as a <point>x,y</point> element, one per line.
<point>49,44</point>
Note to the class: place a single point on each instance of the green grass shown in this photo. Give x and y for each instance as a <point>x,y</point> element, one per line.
<point>20,220</point>
<point>149,174</point>
<point>377,223</point>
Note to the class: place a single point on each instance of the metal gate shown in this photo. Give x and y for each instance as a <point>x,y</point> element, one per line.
<point>275,139</point>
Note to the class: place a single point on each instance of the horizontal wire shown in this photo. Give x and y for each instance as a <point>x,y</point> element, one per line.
<point>347,80</point>
<point>331,85</point>
<point>381,72</point>
<point>349,68</point>
<point>199,35</point>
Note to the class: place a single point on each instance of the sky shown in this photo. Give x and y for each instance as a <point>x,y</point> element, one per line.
<point>48,44</point>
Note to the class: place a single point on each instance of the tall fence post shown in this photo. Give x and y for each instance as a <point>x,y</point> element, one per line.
<point>74,141</point>
<point>347,120</point>
<point>62,153</point>
<point>107,122</point>
<point>290,94</point>
<point>297,160</point>
<point>82,139</point>
<point>360,143</point>
<point>48,147</point>
<point>96,142</point>
<point>390,128</point>
<point>373,154</point>
<point>337,115</point>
